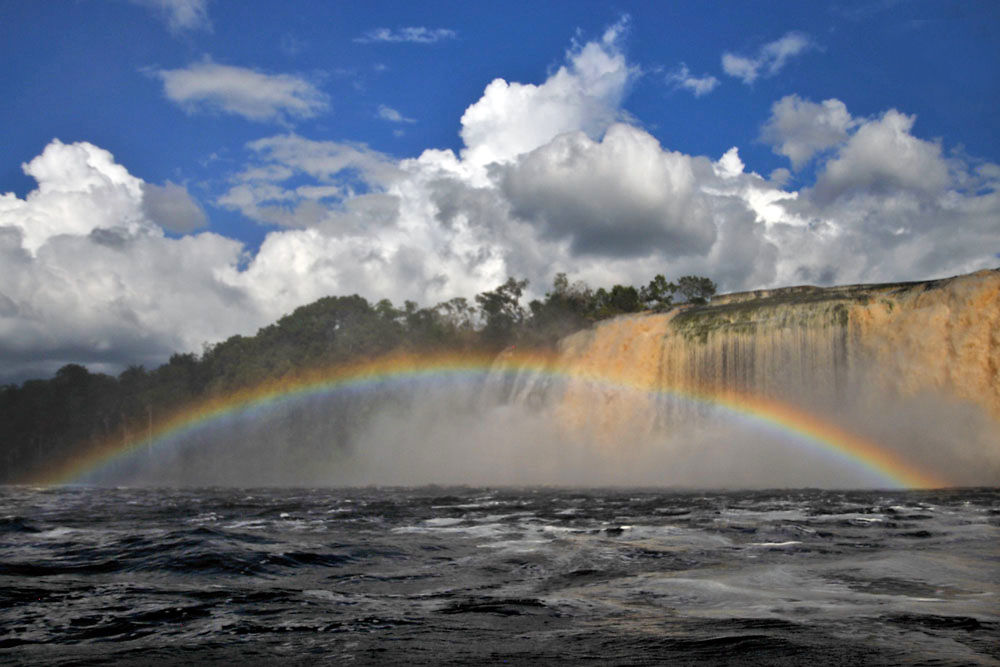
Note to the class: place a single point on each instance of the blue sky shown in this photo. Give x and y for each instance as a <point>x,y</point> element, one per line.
<point>220,163</point>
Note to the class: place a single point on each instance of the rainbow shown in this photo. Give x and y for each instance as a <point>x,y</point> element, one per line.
<point>806,429</point>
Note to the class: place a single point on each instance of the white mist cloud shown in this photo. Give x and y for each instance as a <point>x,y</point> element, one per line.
<point>771,58</point>
<point>343,174</point>
<point>411,34</point>
<point>393,116</point>
<point>699,86</point>
<point>256,96</point>
<point>180,15</point>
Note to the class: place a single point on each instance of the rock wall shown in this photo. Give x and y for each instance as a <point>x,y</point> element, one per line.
<point>810,346</point>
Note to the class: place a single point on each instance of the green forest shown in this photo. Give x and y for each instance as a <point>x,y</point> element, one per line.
<point>56,417</point>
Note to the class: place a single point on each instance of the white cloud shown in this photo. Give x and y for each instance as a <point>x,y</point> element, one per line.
<point>682,78</point>
<point>771,58</point>
<point>291,45</point>
<point>882,156</point>
<point>412,34</point>
<point>323,160</point>
<point>341,173</point>
<point>729,165</point>
<point>180,14</point>
<point>887,206</point>
<point>583,95</point>
<point>87,273</point>
<point>87,277</point>
<point>798,129</point>
<point>80,189</point>
<point>244,92</point>
<point>623,196</point>
<point>393,116</point>
<point>171,206</point>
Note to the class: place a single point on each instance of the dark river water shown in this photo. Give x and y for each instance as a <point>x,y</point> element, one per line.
<point>498,576</point>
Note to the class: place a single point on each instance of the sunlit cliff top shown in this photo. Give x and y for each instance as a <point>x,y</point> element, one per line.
<point>859,292</point>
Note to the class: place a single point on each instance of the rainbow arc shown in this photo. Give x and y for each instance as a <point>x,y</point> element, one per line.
<point>809,430</point>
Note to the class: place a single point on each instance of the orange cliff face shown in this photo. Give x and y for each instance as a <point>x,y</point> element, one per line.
<point>812,347</point>
<point>943,338</point>
<point>615,373</point>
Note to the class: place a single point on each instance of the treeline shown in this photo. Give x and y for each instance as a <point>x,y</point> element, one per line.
<point>45,419</point>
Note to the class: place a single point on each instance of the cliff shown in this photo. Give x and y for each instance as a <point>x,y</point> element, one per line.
<point>915,366</point>
<point>940,335</point>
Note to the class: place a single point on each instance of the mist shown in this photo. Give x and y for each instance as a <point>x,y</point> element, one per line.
<point>909,369</point>
<point>429,442</point>
<point>465,434</point>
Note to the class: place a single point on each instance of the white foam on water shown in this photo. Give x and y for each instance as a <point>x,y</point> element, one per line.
<point>56,533</point>
<point>443,521</point>
<point>517,546</point>
<point>248,524</point>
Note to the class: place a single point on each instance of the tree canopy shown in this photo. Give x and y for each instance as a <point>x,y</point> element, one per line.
<point>54,418</point>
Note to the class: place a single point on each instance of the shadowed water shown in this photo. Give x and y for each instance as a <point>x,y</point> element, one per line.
<point>519,576</point>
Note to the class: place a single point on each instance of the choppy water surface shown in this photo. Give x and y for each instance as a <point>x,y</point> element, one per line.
<point>440,576</point>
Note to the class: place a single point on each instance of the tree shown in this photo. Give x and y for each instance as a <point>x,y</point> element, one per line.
<point>46,419</point>
<point>624,299</point>
<point>659,294</point>
<point>387,311</point>
<point>502,312</point>
<point>565,310</point>
<point>696,289</point>
<point>458,318</point>
<point>73,375</point>
<point>425,329</point>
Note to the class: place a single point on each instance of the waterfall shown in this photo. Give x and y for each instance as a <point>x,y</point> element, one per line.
<point>717,396</point>
<point>821,349</point>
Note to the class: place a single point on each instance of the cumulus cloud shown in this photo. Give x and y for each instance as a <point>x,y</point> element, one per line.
<point>771,58</point>
<point>622,196</point>
<point>799,129</point>
<point>171,207</point>
<point>412,34</point>
<point>180,15</point>
<point>887,205</point>
<point>209,86</point>
<point>682,78</point>
<point>553,177</point>
<point>88,277</point>
<point>340,173</point>
<point>585,94</point>
<point>80,188</point>
<point>393,116</point>
<point>862,156</point>
<point>884,157</point>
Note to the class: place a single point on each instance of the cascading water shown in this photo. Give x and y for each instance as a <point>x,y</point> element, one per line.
<point>872,386</point>
<point>881,358</point>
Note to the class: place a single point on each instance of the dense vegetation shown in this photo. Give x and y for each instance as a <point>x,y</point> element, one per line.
<point>43,419</point>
